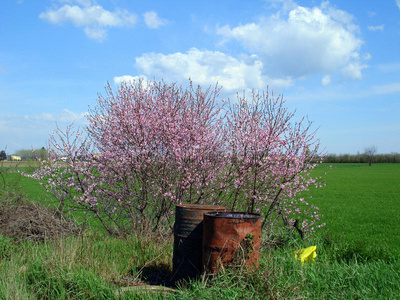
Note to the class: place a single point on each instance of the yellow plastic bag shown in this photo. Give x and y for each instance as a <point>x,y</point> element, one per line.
<point>306,254</point>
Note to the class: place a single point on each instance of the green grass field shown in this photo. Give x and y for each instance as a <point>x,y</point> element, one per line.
<point>361,203</point>
<point>358,252</point>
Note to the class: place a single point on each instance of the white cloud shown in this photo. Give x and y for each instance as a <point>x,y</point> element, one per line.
<point>208,68</point>
<point>128,78</point>
<point>286,5</point>
<point>92,17</point>
<point>305,41</point>
<point>398,3</point>
<point>98,34</point>
<point>326,80</point>
<point>353,70</point>
<point>338,15</point>
<point>367,56</point>
<point>152,20</point>
<point>132,79</point>
<point>376,28</point>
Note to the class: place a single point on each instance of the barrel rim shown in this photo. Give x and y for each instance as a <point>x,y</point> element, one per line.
<point>200,206</point>
<point>232,215</point>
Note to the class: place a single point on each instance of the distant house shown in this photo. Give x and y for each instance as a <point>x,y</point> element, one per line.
<point>15,158</point>
<point>63,158</point>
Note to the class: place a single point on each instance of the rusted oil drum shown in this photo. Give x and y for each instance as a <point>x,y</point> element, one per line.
<point>188,238</point>
<point>230,238</point>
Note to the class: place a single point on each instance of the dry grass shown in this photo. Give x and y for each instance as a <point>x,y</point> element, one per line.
<point>19,164</point>
<point>33,222</point>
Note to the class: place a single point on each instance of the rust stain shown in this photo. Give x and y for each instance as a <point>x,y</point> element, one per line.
<point>230,238</point>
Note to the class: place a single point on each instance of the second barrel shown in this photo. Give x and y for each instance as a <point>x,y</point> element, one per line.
<point>231,238</point>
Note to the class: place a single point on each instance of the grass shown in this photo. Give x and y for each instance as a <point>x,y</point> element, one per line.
<point>83,267</point>
<point>281,277</point>
<point>30,188</point>
<point>12,165</point>
<point>360,203</point>
<point>358,253</point>
<point>92,266</point>
<point>12,179</point>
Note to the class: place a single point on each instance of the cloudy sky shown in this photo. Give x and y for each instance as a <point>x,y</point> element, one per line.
<point>336,62</point>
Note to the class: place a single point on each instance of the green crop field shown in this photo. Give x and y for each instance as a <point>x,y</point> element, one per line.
<point>360,203</point>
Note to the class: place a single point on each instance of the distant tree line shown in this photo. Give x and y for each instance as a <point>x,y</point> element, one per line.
<point>367,157</point>
<point>31,154</point>
<point>3,155</point>
<point>363,158</point>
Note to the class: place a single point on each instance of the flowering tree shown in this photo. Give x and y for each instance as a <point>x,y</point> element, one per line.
<point>70,173</point>
<point>271,159</point>
<point>158,145</point>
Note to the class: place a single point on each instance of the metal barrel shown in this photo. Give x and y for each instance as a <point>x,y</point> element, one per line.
<point>188,238</point>
<point>230,238</point>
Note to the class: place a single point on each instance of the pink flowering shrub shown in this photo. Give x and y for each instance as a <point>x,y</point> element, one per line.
<point>271,157</point>
<point>151,146</point>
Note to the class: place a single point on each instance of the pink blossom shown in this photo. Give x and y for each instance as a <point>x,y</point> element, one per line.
<point>148,148</point>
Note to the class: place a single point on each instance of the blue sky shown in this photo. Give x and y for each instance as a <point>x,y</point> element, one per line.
<point>336,62</point>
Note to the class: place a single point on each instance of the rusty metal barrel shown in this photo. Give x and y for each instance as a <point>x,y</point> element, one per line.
<point>188,238</point>
<point>230,238</point>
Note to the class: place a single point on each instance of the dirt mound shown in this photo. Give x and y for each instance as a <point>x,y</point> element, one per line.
<point>33,222</point>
